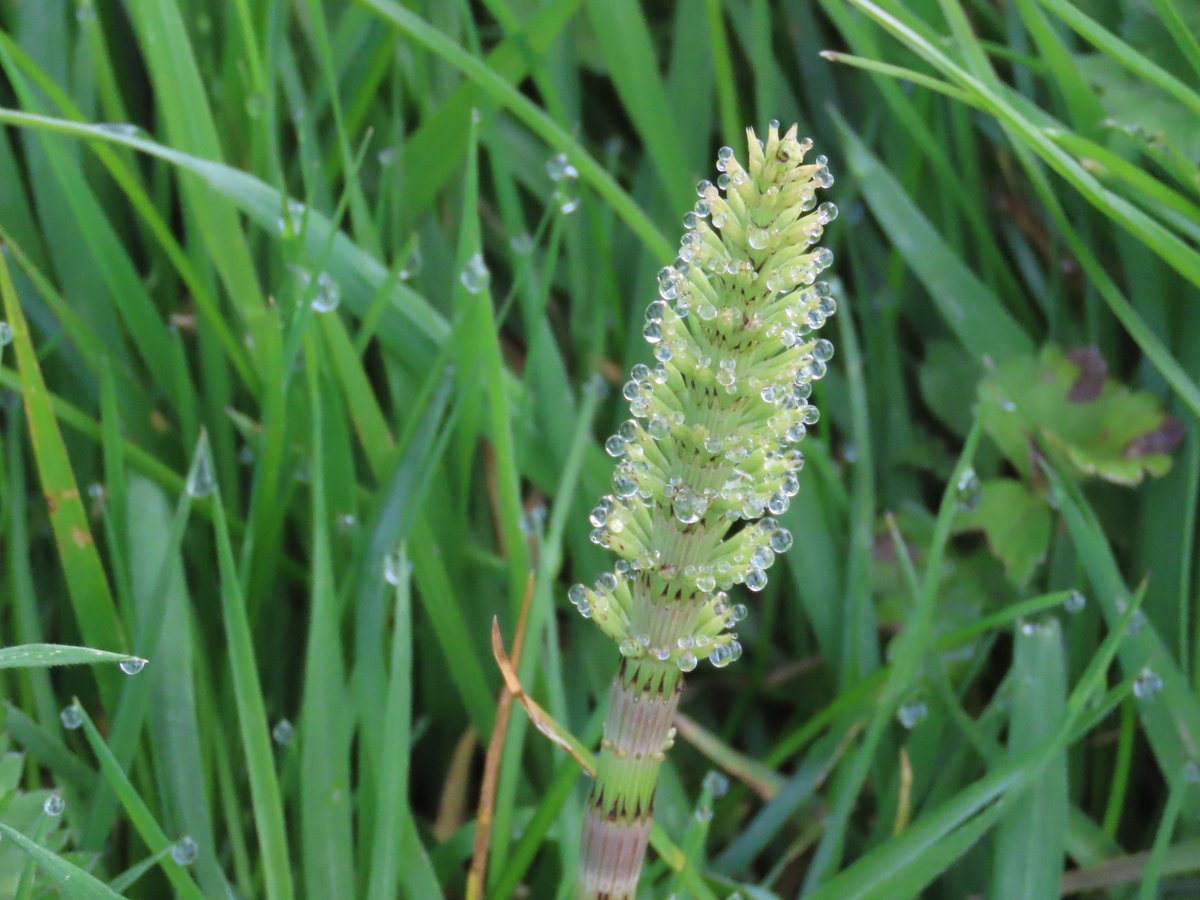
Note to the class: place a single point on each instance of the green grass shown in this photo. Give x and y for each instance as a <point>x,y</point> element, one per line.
<point>1012,178</point>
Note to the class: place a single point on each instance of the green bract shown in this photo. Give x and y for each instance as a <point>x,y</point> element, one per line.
<point>711,446</point>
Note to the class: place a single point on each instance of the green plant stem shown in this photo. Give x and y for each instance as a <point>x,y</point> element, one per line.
<point>620,809</point>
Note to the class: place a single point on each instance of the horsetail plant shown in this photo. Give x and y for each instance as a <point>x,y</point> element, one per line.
<point>709,451</point>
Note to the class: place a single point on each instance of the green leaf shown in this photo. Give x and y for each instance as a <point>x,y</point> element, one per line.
<point>1016,522</point>
<point>31,656</point>
<point>1066,400</point>
<point>947,381</point>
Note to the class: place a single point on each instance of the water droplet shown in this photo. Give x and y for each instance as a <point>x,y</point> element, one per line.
<point>283,732</point>
<point>120,129</point>
<point>71,716</point>
<point>763,558</point>
<point>577,594</point>
<point>912,713</point>
<point>345,523</point>
<point>826,213</point>
<point>1136,623</point>
<point>686,661</point>
<point>291,223</point>
<point>689,506</point>
<point>716,784</point>
<point>412,265</point>
<point>615,446</point>
<point>256,105</point>
<point>133,665</point>
<point>1075,602</point>
<point>386,157</point>
<point>521,244</point>
<point>1147,685</point>
<point>184,850</point>
<point>396,567</point>
<point>781,540</point>
<point>533,520</point>
<point>475,276</point>
<point>756,579</point>
<point>823,350</point>
<point>566,188</point>
<point>559,167</point>
<point>54,805</point>
<point>566,196</point>
<point>968,490</point>
<point>6,334</point>
<point>328,295</point>
<point>624,485</point>
<point>758,238</point>
<point>201,480</point>
<point>704,813</point>
<point>721,655</point>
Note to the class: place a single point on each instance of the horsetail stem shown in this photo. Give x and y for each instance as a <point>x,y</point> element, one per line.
<point>708,452</point>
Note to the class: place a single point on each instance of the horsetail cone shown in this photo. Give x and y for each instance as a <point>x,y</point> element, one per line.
<point>704,465</point>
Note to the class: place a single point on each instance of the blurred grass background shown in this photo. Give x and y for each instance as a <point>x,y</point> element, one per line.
<point>310,363</point>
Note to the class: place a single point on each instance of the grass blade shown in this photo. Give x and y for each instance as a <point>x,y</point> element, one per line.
<point>75,882</point>
<point>87,582</point>
<point>28,656</point>
<point>531,116</point>
<point>139,813</point>
<point>905,668</point>
<point>1028,857</point>
<point>1167,245</point>
<point>252,718</point>
<point>969,308</point>
<point>325,788</point>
